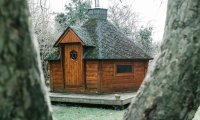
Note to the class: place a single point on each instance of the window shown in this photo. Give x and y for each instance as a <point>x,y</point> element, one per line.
<point>124,68</point>
<point>73,55</point>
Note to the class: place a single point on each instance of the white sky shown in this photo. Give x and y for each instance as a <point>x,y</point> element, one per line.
<point>151,12</point>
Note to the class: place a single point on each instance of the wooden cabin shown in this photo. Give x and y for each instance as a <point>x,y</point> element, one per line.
<point>96,58</point>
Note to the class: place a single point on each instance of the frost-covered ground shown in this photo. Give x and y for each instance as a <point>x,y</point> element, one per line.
<point>63,112</point>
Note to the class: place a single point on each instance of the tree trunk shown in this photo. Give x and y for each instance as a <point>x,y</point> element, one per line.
<point>22,93</point>
<point>171,89</point>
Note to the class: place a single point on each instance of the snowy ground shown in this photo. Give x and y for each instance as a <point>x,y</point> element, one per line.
<point>69,112</point>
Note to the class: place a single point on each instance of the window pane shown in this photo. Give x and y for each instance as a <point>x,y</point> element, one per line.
<point>124,68</point>
<point>73,55</point>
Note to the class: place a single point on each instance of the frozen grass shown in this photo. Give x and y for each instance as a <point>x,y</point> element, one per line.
<point>63,112</point>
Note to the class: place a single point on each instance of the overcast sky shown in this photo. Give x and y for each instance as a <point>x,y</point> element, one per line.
<point>151,12</point>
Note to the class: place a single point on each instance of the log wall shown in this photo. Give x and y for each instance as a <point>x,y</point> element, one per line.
<point>56,76</point>
<point>92,75</point>
<point>102,75</point>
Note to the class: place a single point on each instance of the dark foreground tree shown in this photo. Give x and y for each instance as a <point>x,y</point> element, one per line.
<point>22,93</point>
<point>171,90</point>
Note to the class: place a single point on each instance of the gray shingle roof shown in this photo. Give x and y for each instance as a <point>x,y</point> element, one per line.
<point>107,41</point>
<point>110,42</point>
<point>54,54</point>
<point>84,35</point>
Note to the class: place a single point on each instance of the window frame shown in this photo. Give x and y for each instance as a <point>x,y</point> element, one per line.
<point>124,74</point>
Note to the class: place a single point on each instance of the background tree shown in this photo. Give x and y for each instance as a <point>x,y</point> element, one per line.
<point>171,89</point>
<point>144,39</point>
<point>127,21</point>
<point>43,30</point>
<point>75,13</point>
<point>22,93</point>
<point>124,19</point>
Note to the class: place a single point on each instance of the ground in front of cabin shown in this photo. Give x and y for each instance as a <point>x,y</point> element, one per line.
<point>68,112</point>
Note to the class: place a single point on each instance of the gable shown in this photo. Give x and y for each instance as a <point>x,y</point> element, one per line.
<point>69,36</point>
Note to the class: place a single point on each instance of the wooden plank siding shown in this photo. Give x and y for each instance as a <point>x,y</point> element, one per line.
<point>56,77</point>
<point>123,81</point>
<point>107,76</point>
<point>70,37</point>
<point>92,75</point>
<point>140,72</point>
<point>100,76</point>
<point>103,74</point>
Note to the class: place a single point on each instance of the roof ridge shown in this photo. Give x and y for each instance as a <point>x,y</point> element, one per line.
<point>99,39</point>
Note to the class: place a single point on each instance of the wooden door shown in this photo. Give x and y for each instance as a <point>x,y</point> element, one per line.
<point>73,65</point>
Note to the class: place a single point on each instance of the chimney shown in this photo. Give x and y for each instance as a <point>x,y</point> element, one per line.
<point>97,13</point>
<point>96,3</point>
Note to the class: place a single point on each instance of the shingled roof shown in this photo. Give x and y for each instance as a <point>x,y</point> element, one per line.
<point>54,54</point>
<point>81,33</point>
<point>107,41</point>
